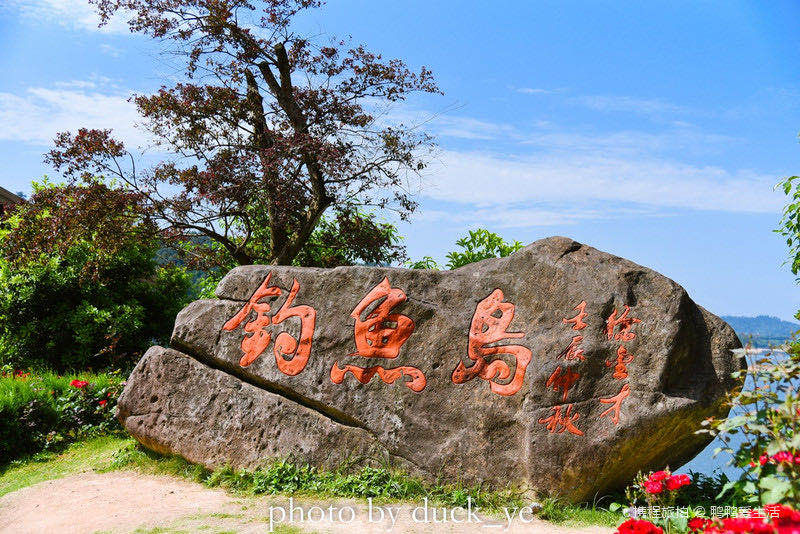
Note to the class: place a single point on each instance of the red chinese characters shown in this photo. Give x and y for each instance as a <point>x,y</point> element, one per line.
<point>577,321</point>
<point>619,328</point>
<point>254,344</point>
<point>380,334</point>
<point>562,381</point>
<point>621,363</point>
<point>573,350</point>
<point>616,403</point>
<point>557,423</point>
<point>489,325</point>
<point>624,323</point>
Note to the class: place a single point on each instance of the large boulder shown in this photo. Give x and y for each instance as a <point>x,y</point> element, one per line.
<point>560,368</point>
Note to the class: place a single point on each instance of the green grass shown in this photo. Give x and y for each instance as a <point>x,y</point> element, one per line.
<point>283,477</point>
<point>15,392</point>
<point>108,453</point>
<point>92,454</point>
<point>578,515</point>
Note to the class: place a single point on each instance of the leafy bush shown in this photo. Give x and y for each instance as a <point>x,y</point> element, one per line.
<point>478,245</point>
<point>79,282</point>
<point>351,237</point>
<point>53,316</point>
<point>45,411</point>
<point>790,222</point>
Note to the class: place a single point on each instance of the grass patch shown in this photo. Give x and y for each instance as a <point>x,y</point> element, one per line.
<point>92,454</point>
<point>287,478</point>
<point>558,512</point>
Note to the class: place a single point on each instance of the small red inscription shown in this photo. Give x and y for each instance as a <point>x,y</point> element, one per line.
<point>577,321</point>
<point>562,381</point>
<point>621,363</point>
<point>557,423</point>
<point>616,403</point>
<point>624,323</point>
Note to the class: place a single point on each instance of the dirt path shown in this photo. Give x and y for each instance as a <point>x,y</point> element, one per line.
<point>126,501</point>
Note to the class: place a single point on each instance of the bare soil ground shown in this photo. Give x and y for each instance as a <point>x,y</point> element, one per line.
<point>125,501</point>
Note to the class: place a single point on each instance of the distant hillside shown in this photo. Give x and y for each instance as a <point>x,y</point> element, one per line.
<point>763,330</point>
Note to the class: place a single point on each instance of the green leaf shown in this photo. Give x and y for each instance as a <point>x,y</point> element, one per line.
<point>775,488</point>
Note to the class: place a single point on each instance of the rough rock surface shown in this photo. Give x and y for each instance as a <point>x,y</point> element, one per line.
<point>548,383</point>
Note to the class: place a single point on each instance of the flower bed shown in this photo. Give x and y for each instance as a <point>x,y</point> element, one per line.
<point>44,411</point>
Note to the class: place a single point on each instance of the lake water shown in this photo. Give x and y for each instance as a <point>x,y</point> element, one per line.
<point>705,462</point>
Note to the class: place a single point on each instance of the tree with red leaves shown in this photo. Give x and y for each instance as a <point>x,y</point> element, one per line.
<point>270,130</point>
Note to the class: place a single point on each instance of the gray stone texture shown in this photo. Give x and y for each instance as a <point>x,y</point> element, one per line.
<point>196,400</point>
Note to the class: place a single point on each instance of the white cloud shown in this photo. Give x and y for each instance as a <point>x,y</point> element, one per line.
<point>535,91</point>
<point>684,138</point>
<point>542,176</point>
<point>613,103</point>
<point>38,114</point>
<point>511,216</point>
<point>558,188</point>
<point>644,106</point>
<point>75,14</point>
<point>469,128</point>
<point>112,51</point>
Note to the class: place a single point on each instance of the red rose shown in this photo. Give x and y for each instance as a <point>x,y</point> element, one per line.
<point>659,475</point>
<point>783,456</point>
<point>80,384</point>
<point>678,481</point>
<point>696,524</point>
<point>746,525</point>
<point>638,526</point>
<point>763,459</point>
<point>103,402</point>
<point>653,486</point>
<point>782,515</point>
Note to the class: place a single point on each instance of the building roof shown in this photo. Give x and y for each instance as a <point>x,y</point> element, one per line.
<point>7,196</point>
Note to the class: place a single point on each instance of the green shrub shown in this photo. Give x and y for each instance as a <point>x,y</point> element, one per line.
<point>477,245</point>
<point>53,315</point>
<point>80,285</point>
<point>43,412</point>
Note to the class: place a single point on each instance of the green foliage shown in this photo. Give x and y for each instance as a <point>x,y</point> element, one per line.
<point>705,491</point>
<point>426,262</point>
<point>351,237</point>
<point>562,512</point>
<point>789,226</point>
<point>61,217</point>
<point>766,417</point>
<point>45,411</point>
<point>54,315</point>
<point>205,285</point>
<point>80,285</point>
<point>478,245</point>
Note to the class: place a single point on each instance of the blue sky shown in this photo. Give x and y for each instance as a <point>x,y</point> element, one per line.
<point>655,132</point>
